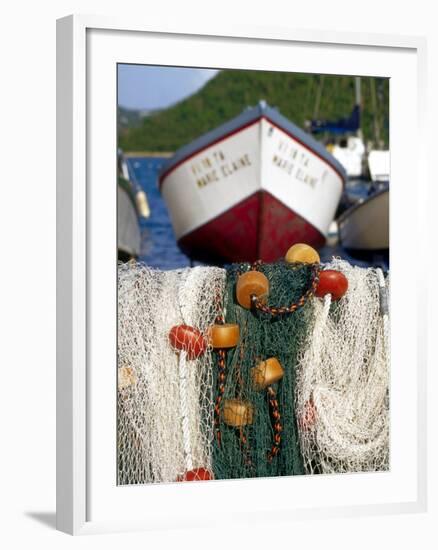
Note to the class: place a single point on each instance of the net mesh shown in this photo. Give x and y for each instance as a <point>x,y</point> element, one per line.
<point>328,412</point>
<point>165,402</point>
<point>244,452</point>
<point>342,379</point>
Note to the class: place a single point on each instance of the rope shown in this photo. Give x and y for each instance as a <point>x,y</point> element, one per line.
<point>384,306</point>
<point>220,393</point>
<point>184,410</point>
<point>278,428</point>
<point>281,310</point>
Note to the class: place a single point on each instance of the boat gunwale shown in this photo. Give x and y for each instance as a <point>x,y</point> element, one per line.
<point>347,213</point>
<point>241,122</point>
<point>126,186</point>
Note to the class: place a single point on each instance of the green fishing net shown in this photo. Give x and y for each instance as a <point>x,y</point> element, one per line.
<point>243,452</point>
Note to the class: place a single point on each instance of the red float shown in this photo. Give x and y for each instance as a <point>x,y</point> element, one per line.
<point>188,339</point>
<point>307,419</point>
<point>198,474</point>
<point>331,282</point>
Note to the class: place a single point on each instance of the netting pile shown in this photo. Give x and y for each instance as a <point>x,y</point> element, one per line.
<point>342,379</point>
<point>244,453</point>
<point>327,410</point>
<point>165,402</point>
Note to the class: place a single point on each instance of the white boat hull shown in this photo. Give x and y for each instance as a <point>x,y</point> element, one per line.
<point>379,165</point>
<point>365,226</point>
<point>128,231</point>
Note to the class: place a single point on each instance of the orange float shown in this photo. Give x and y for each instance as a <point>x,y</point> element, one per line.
<point>251,283</point>
<point>266,373</point>
<point>237,413</point>
<point>224,336</point>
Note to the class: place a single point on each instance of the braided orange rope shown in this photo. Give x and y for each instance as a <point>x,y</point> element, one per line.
<point>281,310</point>
<point>278,428</point>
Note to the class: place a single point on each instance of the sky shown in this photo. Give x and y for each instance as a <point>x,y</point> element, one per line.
<point>154,87</point>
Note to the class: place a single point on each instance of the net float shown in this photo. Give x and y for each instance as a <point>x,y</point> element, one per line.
<point>308,417</point>
<point>251,283</point>
<point>125,377</point>
<point>302,253</point>
<point>224,336</point>
<point>142,204</point>
<point>237,413</point>
<point>197,474</point>
<point>188,339</point>
<point>331,282</point>
<point>266,373</point>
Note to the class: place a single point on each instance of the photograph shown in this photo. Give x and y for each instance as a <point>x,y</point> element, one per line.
<point>223,329</point>
<point>253,274</point>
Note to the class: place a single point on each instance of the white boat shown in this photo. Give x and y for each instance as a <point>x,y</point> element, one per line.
<point>128,231</point>
<point>250,189</point>
<point>365,226</point>
<point>131,203</point>
<point>350,152</point>
<point>379,165</point>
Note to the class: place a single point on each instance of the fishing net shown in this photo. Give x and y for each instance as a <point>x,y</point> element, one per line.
<point>246,451</point>
<point>165,401</point>
<point>342,378</point>
<point>184,407</point>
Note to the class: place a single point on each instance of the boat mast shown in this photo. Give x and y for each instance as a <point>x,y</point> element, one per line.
<point>358,90</point>
<point>318,97</point>
<point>375,113</point>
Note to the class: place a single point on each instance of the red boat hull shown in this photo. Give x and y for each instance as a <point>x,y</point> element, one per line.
<point>259,227</point>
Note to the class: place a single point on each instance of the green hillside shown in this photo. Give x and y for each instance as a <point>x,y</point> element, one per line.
<point>226,95</point>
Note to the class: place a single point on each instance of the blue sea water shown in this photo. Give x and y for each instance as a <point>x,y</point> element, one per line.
<point>159,248</point>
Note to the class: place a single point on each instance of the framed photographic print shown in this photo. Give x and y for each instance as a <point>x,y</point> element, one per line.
<point>237,330</point>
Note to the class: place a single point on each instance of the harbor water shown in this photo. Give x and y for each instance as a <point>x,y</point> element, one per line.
<point>159,248</point>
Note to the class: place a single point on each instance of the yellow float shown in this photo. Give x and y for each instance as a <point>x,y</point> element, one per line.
<point>237,413</point>
<point>302,253</point>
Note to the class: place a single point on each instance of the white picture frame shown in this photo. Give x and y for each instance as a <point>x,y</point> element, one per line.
<point>88,49</point>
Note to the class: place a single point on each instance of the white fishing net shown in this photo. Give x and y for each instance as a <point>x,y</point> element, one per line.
<point>165,402</point>
<point>342,378</point>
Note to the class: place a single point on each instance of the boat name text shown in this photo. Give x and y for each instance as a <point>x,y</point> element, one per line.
<point>215,166</point>
<point>294,162</point>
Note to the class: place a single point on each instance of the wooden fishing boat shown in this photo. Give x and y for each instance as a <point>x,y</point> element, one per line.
<point>128,231</point>
<point>131,204</point>
<point>250,189</point>
<point>365,226</point>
